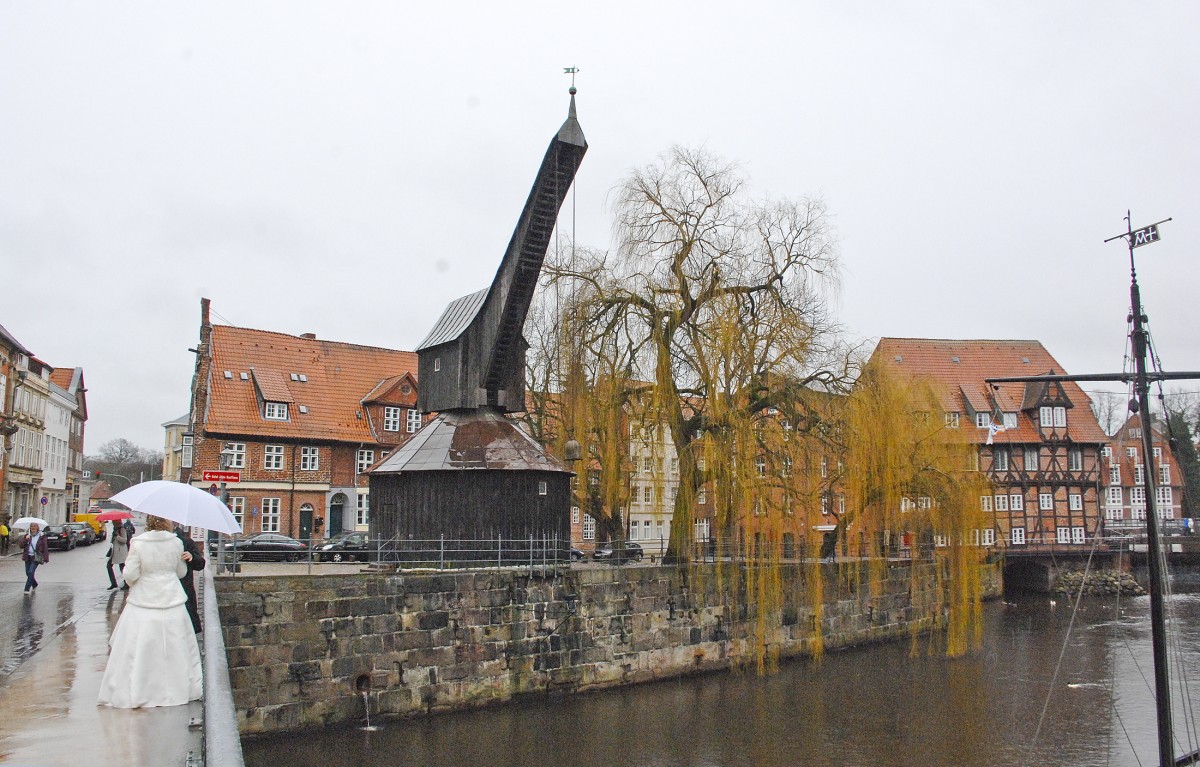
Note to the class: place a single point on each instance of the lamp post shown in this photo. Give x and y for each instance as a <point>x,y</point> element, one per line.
<point>225,459</point>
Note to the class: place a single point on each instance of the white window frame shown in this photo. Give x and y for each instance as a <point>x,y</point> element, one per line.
<point>1075,502</point>
<point>952,420</point>
<point>271,514</point>
<point>648,495</point>
<point>633,529</point>
<point>1078,536</point>
<point>1033,459</point>
<point>1115,497</point>
<point>273,457</point>
<point>1046,501</point>
<point>1063,534</point>
<point>575,512</point>
<point>362,509</point>
<point>1016,502</point>
<point>413,420</point>
<point>238,459</point>
<point>1018,536</point>
<point>983,420</point>
<point>363,460</point>
<point>1060,416</point>
<point>1139,474</point>
<point>985,502</point>
<point>1106,452</point>
<point>1075,459</point>
<point>1164,473</point>
<point>700,529</point>
<point>1046,416</point>
<point>237,507</point>
<point>391,418</point>
<point>275,411</point>
<point>1114,474</point>
<point>1001,502</point>
<point>1113,513</point>
<point>310,458</point>
<point>1131,452</point>
<point>1137,497</point>
<point>589,527</point>
<point>1165,497</point>
<point>1000,459</point>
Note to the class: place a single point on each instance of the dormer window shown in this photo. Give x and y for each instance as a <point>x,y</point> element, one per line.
<point>983,420</point>
<point>1052,417</point>
<point>275,411</point>
<point>1010,420</point>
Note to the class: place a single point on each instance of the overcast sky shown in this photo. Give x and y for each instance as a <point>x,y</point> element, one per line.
<point>348,168</point>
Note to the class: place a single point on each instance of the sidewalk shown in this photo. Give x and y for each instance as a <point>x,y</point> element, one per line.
<point>48,711</point>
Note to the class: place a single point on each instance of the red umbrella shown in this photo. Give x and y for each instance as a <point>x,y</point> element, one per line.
<point>113,515</point>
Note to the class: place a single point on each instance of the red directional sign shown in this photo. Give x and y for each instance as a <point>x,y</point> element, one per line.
<point>221,476</point>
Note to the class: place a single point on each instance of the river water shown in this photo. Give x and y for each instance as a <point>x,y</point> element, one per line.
<point>875,705</point>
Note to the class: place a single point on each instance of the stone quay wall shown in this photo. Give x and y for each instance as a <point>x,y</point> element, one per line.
<point>309,651</point>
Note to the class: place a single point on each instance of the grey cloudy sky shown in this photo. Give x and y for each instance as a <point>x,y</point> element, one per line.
<point>347,169</point>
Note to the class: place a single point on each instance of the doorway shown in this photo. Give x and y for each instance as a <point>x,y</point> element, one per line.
<point>306,522</point>
<point>336,504</point>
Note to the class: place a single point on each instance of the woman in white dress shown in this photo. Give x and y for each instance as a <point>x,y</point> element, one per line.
<point>153,658</point>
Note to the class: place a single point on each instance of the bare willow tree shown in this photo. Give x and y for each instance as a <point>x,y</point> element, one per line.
<point>710,324</point>
<point>712,308</point>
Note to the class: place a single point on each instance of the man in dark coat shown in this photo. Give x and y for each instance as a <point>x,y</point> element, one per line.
<point>195,561</point>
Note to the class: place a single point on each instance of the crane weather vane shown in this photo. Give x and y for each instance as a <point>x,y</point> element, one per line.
<point>572,71</point>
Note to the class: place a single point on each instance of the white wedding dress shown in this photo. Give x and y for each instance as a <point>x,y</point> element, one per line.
<point>153,657</point>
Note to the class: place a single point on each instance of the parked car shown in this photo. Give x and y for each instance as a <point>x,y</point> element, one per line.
<point>267,547</point>
<point>633,552</point>
<point>84,534</point>
<point>345,546</point>
<point>62,537</point>
<point>577,554</point>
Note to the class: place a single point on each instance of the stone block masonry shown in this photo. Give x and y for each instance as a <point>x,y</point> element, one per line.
<point>312,651</point>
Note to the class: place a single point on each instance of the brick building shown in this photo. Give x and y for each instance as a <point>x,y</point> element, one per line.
<point>300,419</point>
<point>1124,464</point>
<point>1039,443</point>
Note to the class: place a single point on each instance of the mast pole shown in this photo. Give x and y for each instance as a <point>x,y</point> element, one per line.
<point>1158,629</point>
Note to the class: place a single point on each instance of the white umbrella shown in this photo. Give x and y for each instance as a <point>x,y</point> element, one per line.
<point>25,522</point>
<point>176,501</point>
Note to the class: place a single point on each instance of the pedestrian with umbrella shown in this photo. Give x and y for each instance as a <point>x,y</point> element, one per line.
<point>119,549</point>
<point>153,658</point>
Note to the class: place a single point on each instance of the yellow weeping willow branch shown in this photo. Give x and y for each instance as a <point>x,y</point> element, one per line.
<point>705,351</point>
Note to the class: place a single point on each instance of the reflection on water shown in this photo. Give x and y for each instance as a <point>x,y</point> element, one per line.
<point>28,638</point>
<point>874,705</point>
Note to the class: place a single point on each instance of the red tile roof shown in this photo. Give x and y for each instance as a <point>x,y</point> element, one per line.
<point>958,370</point>
<point>62,377</point>
<point>331,380</point>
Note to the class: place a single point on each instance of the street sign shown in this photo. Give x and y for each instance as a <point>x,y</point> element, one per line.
<point>45,500</point>
<point>1144,236</point>
<point>221,476</point>
<point>212,489</point>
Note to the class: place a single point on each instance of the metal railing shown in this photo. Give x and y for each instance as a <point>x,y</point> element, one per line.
<point>442,553</point>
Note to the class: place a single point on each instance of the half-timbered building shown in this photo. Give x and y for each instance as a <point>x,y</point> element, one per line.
<point>1039,442</point>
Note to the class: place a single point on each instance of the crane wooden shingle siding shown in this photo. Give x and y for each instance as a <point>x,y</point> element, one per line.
<point>475,354</point>
<point>471,473</point>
